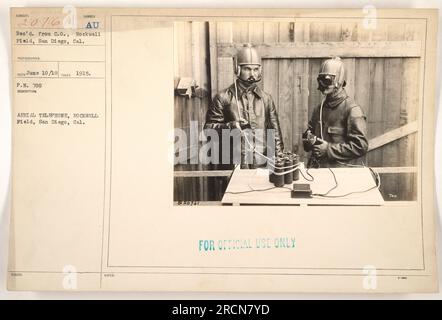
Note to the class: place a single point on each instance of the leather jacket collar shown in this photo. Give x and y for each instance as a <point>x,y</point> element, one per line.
<point>241,88</point>
<point>335,99</point>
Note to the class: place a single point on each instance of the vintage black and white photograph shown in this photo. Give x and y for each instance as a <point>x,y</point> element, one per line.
<point>298,112</point>
<point>223,150</point>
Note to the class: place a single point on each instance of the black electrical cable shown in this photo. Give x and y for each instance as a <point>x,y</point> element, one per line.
<point>306,171</point>
<point>253,190</point>
<point>257,190</point>
<point>344,195</point>
<point>333,188</point>
<point>325,195</point>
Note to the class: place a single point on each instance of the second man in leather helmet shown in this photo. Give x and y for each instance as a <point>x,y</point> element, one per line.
<point>337,131</point>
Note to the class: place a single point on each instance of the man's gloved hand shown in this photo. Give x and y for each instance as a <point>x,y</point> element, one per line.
<point>232,124</point>
<point>242,124</point>
<point>308,139</point>
<point>320,150</point>
<point>306,133</point>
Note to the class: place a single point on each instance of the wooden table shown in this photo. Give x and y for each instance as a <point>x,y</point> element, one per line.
<point>349,180</point>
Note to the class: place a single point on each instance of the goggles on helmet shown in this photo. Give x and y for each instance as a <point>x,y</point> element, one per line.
<point>326,80</point>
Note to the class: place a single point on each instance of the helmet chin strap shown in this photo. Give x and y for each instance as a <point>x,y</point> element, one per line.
<point>249,83</point>
<point>332,93</point>
<point>335,91</point>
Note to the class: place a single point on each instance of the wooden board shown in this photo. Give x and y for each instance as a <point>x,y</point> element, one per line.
<point>392,107</point>
<point>300,107</point>
<point>376,104</point>
<point>349,180</point>
<point>325,49</point>
<point>286,101</point>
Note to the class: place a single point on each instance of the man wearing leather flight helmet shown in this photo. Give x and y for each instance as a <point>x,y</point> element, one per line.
<point>244,105</point>
<point>337,131</point>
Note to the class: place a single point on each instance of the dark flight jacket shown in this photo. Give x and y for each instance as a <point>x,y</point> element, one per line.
<point>344,128</point>
<point>256,106</point>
